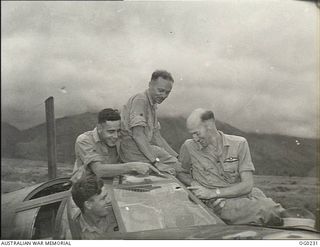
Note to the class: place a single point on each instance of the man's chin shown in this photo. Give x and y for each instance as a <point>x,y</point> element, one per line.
<point>159,101</point>
<point>107,211</point>
<point>111,144</point>
<point>203,144</point>
<point>104,214</point>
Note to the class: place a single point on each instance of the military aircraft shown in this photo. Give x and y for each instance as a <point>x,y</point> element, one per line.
<point>149,207</point>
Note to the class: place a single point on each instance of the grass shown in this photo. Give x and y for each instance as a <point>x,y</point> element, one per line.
<point>290,192</point>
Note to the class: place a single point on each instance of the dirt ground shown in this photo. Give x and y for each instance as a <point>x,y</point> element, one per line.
<point>18,173</point>
<point>300,192</point>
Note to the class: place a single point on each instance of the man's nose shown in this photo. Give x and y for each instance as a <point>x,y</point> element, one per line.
<point>164,94</point>
<point>115,134</point>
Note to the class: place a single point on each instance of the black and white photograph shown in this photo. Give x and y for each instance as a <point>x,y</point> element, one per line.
<point>160,120</point>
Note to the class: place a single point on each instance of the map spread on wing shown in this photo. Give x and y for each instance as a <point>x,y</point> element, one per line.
<point>159,208</point>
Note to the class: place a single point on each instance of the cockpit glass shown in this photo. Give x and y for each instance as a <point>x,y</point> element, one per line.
<point>158,204</point>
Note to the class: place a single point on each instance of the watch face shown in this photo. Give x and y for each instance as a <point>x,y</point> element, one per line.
<point>157,160</point>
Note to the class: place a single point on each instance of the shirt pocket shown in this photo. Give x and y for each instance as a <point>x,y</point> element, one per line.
<point>231,165</point>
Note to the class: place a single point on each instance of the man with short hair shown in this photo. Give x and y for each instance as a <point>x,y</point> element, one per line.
<point>97,151</point>
<point>222,174</point>
<point>93,199</point>
<point>141,140</point>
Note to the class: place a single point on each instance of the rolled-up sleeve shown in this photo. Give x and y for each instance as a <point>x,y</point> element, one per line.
<point>245,162</point>
<point>85,150</point>
<point>137,115</point>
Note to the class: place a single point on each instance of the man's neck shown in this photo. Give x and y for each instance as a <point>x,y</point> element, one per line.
<point>92,219</point>
<point>216,138</point>
<point>150,98</point>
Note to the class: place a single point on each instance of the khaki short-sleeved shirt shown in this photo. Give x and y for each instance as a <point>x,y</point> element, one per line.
<point>140,111</point>
<point>106,225</point>
<point>89,148</point>
<point>212,171</point>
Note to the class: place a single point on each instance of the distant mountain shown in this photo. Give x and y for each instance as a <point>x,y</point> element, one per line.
<point>34,144</point>
<point>271,154</point>
<point>284,155</point>
<point>10,136</point>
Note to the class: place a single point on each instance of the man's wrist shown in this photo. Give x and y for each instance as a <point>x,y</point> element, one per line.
<point>217,192</point>
<point>157,160</point>
<point>129,167</point>
<point>175,154</point>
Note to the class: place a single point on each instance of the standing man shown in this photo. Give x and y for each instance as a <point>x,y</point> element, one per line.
<point>97,151</point>
<point>141,140</point>
<point>220,172</point>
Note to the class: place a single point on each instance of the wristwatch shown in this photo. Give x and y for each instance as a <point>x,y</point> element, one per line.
<point>218,192</point>
<point>157,160</point>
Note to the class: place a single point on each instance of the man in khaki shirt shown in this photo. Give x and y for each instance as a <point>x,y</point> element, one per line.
<point>97,151</point>
<point>97,154</point>
<point>220,171</point>
<point>141,139</point>
<point>93,199</point>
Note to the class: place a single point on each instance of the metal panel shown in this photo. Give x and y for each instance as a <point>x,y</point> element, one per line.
<point>59,218</point>
<point>9,203</point>
<point>164,205</point>
<point>197,200</point>
<point>24,224</point>
<point>12,201</point>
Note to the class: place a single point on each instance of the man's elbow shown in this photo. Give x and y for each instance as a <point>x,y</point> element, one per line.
<point>138,136</point>
<point>95,168</point>
<point>248,187</point>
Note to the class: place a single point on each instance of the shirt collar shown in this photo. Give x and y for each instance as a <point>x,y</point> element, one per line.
<point>96,135</point>
<point>154,105</point>
<point>225,141</point>
<point>86,227</point>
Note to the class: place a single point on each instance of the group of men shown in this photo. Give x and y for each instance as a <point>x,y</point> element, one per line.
<point>215,166</point>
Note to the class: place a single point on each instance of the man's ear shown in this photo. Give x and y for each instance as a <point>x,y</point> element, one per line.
<point>100,127</point>
<point>88,205</point>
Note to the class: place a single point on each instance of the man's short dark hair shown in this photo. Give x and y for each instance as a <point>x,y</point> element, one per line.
<point>163,74</point>
<point>207,115</point>
<point>108,114</point>
<point>83,189</point>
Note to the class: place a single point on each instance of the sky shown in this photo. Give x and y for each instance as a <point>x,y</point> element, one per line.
<point>254,63</point>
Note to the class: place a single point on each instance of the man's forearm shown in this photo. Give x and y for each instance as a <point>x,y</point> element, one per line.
<point>144,147</point>
<point>110,170</point>
<point>239,189</point>
<point>235,190</point>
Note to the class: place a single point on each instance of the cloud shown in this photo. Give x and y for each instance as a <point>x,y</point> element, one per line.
<point>254,63</point>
